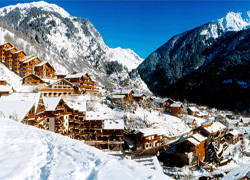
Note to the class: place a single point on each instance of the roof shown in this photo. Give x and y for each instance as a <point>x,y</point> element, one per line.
<point>176,104</point>
<point>32,58</point>
<point>239,173</point>
<point>199,137</point>
<point>19,52</point>
<point>42,63</point>
<point>78,75</point>
<point>138,95</point>
<point>122,91</point>
<point>33,75</point>
<point>189,120</point>
<point>15,109</point>
<point>92,115</point>
<point>215,127</point>
<point>117,96</point>
<point>193,141</point>
<point>193,109</point>
<point>5,88</point>
<point>151,131</point>
<point>234,132</point>
<point>80,106</point>
<point>34,97</point>
<point>160,100</point>
<point>113,124</point>
<point>10,48</point>
<point>27,57</point>
<point>51,103</point>
<point>61,80</point>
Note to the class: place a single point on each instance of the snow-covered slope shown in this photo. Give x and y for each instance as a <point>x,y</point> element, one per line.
<point>132,59</point>
<point>68,43</point>
<point>27,152</point>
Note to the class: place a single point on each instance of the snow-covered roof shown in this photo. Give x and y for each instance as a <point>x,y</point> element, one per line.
<point>138,95</point>
<point>234,132</point>
<point>42,63</point>
<point>215,127</point>
<point>160,100</point>
<point>193,141</point>
<point>176,104</point>
<point>5,88</point>
<point>199,137</point>
<point>61,80</point>
<point>92,115</point>
<point>189,120</point>
<point>239,173</point>
<point>29,60</point>
<point>151,131</point>
<point>10,48</point>
<point>51,103</point>
<point>113,124</point>
<point>193,109</point>
<point>27,57</point>
<point>61,73</point>
<point>15,109</point>
<point>33,97</point>
<point>19,52</point>
<point>122,91</point>
<point>117,96</point>
<point>80,106</point>
<point>78,75</point>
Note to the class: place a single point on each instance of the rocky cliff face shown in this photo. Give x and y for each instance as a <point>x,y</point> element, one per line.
<point>68,43</point>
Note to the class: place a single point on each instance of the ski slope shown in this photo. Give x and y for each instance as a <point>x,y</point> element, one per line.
<point>27,152</point>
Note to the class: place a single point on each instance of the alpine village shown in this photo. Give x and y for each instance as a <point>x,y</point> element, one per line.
<point>177,138</point>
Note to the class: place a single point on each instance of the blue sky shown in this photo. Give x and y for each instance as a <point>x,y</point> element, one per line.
<point>144,26</point>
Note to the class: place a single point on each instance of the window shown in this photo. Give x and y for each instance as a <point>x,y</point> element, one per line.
<point>149,138</point>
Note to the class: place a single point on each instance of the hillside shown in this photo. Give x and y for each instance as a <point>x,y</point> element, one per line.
<point>196,64</point>
<point>68,43</point>
<point>31,153</point>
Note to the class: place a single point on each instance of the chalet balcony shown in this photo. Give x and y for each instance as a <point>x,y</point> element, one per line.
<point>60,107</point>
<point>71,126</point>
<point>71,119</point>
<point>69,133</point>
<point>31,116</point>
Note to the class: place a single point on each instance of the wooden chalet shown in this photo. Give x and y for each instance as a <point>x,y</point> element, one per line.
<point>191,149</point>
<point>61,87</point>
<point>9,57</point>
<point>61,75</point>
<point>176,108</point>
<point>17,57</point>
<point>127,92</point>
<point>193,111</point>
<point>32,79</point>
<point>45,70</point>
<point>118,98</point>
<point>27,65</point>
<point>163,102</point>
<point>57,114</point>
<point>233,136</point>
<point>148,138</point>
<point>6,90</point>
<point>138,97</point>
<point>83,82</point>
<point>3,82</point>
<point>3,48</point>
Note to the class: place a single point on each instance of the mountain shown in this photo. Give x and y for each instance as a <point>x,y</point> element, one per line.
<point>199,65</point>
<point>31,153</point>
<point>68,43</point>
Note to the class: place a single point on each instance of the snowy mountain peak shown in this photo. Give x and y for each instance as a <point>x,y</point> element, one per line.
<point>40,4</point>
<point>234,21</point>
<point>126,57</point>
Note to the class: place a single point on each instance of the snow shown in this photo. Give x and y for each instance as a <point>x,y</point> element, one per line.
<point>193,141</point>
<point>199,137</point>
<point>194,109</point>
<point>31,153</point>
<point>239,173</point>
<point>122,91</point>
<point>151,131</point>
<point>113,124</point>
<point>117,96</point>
<point>215,127</point>
<point>5,88</point>
<point>234,132</point>
<point>234,21</point>
<point>176,104</point>
<point>127,57</point>
<point>15,109</point>
<point>51,103</point>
